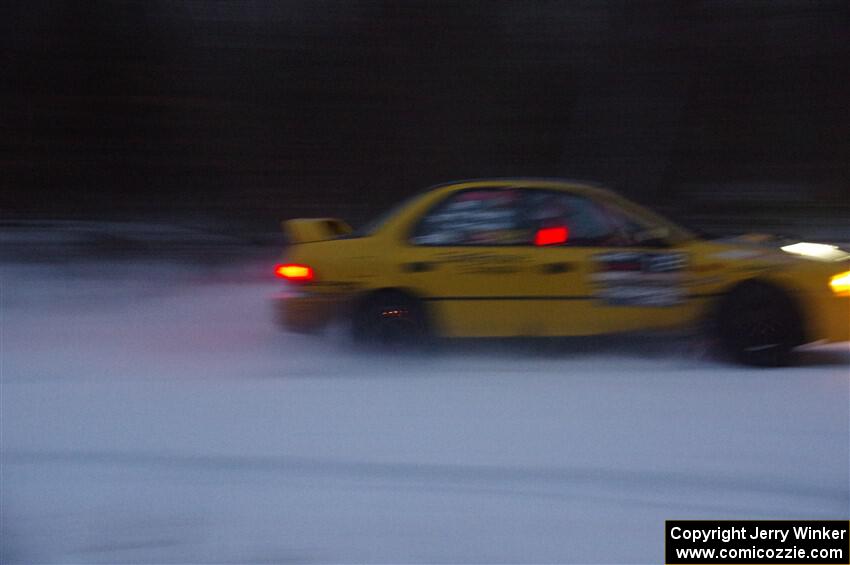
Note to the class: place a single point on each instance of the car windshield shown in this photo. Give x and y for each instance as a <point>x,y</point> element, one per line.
<point>650,220</point>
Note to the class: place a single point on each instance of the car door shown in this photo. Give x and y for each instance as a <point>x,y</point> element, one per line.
<point>593,275</point>
<point>468,256</point>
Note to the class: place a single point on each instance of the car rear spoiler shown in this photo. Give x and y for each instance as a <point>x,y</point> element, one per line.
<point>305,230</point>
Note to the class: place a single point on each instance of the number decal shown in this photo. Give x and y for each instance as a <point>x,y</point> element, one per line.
<point>640,279</point>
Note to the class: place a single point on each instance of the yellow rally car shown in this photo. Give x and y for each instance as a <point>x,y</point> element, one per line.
<point>520,257</point>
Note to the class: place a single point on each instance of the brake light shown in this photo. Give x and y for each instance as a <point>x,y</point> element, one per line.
<point>551,236</point>
<point>294,272</point>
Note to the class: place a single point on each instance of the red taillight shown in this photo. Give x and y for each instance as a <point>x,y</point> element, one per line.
<point>294,272</point>
<point>551,236</point>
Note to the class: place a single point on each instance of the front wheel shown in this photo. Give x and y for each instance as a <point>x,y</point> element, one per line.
<point>391,320</point>
<point>759,325</point>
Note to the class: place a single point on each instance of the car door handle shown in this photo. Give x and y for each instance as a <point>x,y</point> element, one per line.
<point>555,268</point>
<point>418,267</point>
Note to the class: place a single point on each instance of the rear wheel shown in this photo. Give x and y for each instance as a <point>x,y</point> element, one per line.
<point>390,319</point>
<point>759,325</point>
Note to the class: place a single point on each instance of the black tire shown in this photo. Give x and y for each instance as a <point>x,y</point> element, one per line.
<point>759,325</point>
<point>390,320</point>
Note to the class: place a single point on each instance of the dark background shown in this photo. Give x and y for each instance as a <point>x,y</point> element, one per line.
<point>251,111</point>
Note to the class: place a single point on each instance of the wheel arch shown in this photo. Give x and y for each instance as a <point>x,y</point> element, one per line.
<point>763,284</point>
<point>408,292</point>
<point>363,297</point>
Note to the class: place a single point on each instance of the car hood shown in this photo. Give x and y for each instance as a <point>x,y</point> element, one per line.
<point>755,245</point>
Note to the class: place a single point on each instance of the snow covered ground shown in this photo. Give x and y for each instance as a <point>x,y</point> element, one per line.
<point>153,413</point>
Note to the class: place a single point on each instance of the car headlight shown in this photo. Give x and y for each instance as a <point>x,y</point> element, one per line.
<point>840,284</point>
<point>820,251</point>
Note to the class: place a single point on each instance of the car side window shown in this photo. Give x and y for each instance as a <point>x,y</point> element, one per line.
<point>474,217</point>
<point>626,227</point>
<point>562,218</point>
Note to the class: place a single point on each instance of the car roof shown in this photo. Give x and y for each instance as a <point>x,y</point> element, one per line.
<point>570,185</point>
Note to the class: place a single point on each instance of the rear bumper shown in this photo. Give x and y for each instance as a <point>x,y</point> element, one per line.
<point>307,313</point>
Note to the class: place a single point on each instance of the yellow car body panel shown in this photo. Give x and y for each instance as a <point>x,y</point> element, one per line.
<point>561,290</point>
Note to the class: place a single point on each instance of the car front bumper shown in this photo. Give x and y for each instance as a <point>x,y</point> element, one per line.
<point>829,319</point>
